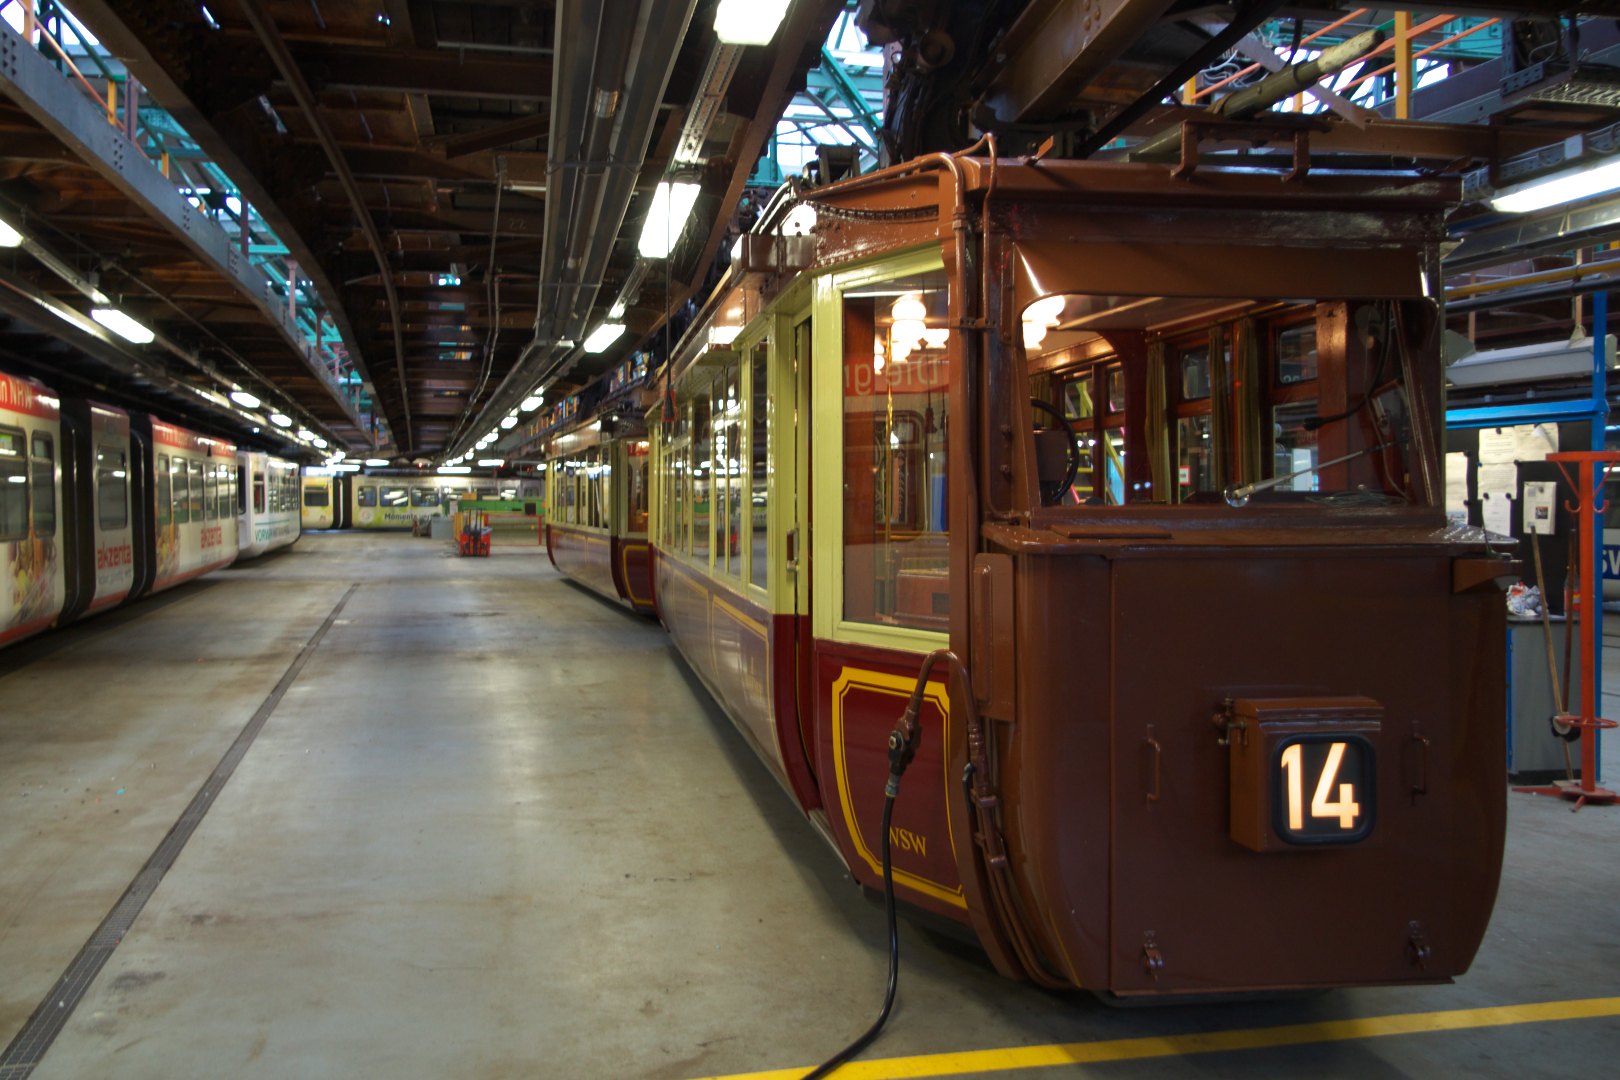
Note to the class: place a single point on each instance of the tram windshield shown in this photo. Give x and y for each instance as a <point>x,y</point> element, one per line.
<point>1181,400</point>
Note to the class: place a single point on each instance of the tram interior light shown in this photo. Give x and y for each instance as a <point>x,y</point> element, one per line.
<point>1040,317</point>
<point>122,325</point>
<point>245,399</point>
<point>600,339</point>
<point>280,419</point>
<point>1559,188</point>
<point>671,205</point>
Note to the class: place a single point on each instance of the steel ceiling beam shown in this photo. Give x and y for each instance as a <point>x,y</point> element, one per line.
<point>63,109</point>
<point>265,27</point>
<point>1057,47</point>
<point>439,72</point>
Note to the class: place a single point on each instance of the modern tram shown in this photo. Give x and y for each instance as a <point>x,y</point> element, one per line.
<point>267,504</point>
<point>1129,477</point>
<point>398,502</point>
<point>100,506</point>
<point>319,502</point>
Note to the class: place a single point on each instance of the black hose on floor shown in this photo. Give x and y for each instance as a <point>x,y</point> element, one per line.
<point>902,747</point>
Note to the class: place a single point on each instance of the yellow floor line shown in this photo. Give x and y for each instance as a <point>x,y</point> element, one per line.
<point>1031,1057</point>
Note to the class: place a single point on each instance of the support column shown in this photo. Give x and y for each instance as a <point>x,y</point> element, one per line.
<point>1403,65</point>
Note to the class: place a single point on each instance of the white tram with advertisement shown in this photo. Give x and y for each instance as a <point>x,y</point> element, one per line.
<point>196,482</point>
<point>267,505</point>
<point>35,580</point>
<point>398,502</point>
<point>100,506</point>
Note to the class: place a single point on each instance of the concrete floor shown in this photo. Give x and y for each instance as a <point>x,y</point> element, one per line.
<point>496,829</point>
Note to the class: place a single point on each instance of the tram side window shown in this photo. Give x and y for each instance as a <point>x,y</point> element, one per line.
<point>315,495</point>
<point>197,489</point>
<point>700,469</point>
<point>13,484</point>
<point>758,445</point>
<point>365,495</point>
<point>224,473</point>
<point>240,489</point>
<point>210,491</point>
<point>259,502</point>
<point>1293,446</point>
<point>42,471</point>
<point>165,491</point>
<point>424,497</point>
<point>736,478</point>
<point>112,488</point>
<point>179,484</point>
<point>233,501</point>
<point>896,495</point>
<point>396,497</point>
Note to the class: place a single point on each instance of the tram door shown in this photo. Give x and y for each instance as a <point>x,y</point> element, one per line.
<point>791,404</point>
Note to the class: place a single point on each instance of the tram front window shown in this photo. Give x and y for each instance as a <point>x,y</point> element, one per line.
<point>896,404</point>
<point>1216,401</point>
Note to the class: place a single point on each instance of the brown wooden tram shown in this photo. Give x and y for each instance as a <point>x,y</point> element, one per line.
<point>1215,744</point>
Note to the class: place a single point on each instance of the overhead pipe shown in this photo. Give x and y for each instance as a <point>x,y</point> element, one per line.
<point>606,88</point>
<point>1269,91</point>
<point>265,27</point>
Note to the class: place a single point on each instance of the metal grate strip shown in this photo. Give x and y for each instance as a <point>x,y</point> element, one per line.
<point>51,1015</point>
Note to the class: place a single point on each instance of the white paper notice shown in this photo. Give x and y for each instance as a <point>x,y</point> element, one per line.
<point>1499,515</point>
<point>1498,446</point>
<point>1457,483</point>
<point>1502,479</point>
<point>1538,507</point>
<point>1536,441</point>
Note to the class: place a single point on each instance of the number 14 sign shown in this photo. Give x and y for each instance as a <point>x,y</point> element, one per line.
<point>1304,771</point>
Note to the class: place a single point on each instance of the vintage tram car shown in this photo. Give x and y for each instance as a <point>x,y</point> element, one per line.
<point>1154,452</point>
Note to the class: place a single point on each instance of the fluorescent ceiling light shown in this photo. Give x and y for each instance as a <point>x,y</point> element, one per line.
<point>9,237</point>
<point>320,443</point>
<point>748,22</point>
<point>280,419</point>
<point>245,399</point>
<point>455,469</point>
<point>616,311</point>
<point>600,339</point>
<point>530,403</point>
<point>492,461</point>
<point>1559,188</point>
<point>306,434</point>
<point>122,325</point>
<point>344,466</point>
<point>376,462</point>
<point>671,206</point>
<point>508,422</point>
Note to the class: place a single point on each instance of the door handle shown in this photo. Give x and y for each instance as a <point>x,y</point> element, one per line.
<point>1157,751</point>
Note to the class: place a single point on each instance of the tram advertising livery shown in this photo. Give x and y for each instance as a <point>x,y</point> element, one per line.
<point>101,506</point>
<point>1156,457</point>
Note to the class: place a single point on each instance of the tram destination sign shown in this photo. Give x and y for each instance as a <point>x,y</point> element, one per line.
<point>1304,771</point>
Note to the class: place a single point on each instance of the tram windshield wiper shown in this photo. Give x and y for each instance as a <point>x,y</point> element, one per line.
<point>1239,495</point>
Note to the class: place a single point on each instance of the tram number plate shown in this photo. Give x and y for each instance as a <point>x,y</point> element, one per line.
<point>1323,789</point>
